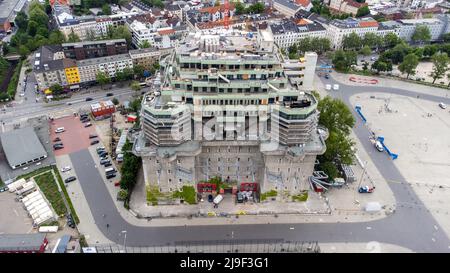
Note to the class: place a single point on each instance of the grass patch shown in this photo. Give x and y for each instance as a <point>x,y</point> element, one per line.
<point>66,195</point>
<point>34,173</point>
<point>47,184</point>
<point>187,194</point>
<point>302,197</point>
<point>53,223</point>
<point>271,193</point>
<point>153,194</point>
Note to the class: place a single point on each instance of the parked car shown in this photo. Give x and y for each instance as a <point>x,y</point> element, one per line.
<point>88,124</point>
<point>210,198</point>
<point>89,99</point>
<point>109,94</point>
<point>5,188</point>
<point>442,105</point>
<point>94,142</point>
<point>104,161</point>
<point>70,179</point>
<point>58,147</point>
<point>60,130</point>
<point>109,164</point>
<point>85,120</point>
<point>65,169</point>
<point>110,175</point>
<point>57,139</point>
<point>240,197</point>
<point>101,151</point>
<point>327,76</point>
<point>92,136</point>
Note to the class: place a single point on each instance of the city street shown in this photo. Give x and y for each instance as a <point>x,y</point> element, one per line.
<point>412,227</point>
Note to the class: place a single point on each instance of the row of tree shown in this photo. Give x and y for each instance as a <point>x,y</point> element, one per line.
<point>255,8</point>
<point>316,44</point>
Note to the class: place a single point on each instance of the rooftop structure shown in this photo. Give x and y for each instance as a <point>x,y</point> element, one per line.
<point>22,147</point>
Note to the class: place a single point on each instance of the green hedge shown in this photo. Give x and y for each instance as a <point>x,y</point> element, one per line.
<point>12,86</point>
<point>69,202</point>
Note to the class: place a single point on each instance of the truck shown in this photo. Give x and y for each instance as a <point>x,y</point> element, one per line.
<point>218,199</point>
<point>48,229</point>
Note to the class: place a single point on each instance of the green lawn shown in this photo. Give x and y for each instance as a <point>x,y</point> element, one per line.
<point>34,173</point>
<point>63,187</point>
<point>187,194</point>
<point>47,184</point>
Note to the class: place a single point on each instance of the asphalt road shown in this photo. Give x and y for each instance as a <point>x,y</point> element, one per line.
<point>411,226</point>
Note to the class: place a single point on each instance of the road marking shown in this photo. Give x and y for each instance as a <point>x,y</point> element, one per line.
<point>15,211</point>
<point>368,227</point>
<point>435,227</point>
<point>432,239</point>
<point>291,228</point>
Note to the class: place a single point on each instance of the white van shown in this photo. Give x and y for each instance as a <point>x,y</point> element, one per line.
<point>218,199</point>
<point>60,130</point>
<point>110,170</point>
<point>336,87</point>
<point>328,87</point>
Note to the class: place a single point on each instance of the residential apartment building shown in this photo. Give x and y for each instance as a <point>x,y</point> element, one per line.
<point>287,7</point>
<point>89,68</point>
<point>145,57</point>
<point>338,29</point>
<point>288,32</point>
<point>49,67</point>
<point>227,108</point>
<point>435,26</point>
<point>94,49</point>
<point>346,6</point>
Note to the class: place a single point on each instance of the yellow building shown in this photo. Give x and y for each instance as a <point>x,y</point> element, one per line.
<point>71,70</point>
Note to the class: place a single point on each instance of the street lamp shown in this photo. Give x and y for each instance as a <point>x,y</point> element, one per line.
<point>124,239</point>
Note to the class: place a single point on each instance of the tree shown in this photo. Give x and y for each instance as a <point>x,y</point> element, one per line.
<point>217,3</point>
<point>144,44</point>
<point>293,52</point>
<point>102,78</point>
<point>445,37</point>
<point>56,89</point>
<point>372,40</point>
<point>351,41</point>
<point>240,8</point>
<point>343,61</point>
<point>91,35</point>
<point>391,39</point>
<point>43,32</point>
<point>32,28</point>
<point>21,20</point>
<point>256,8</point>
<point>73,37</point>
<point>39,16</point>
<point>440,65</point>
<point>337,117</point>
<point>382,66</point>
<point>365,51</point>
<point>115,101</point>
<point>409,65</point>
<point>135,86</point>
<point>138,70</point>
<point>106,9</point>
<point>23,51</point>
<point>397,53</point>
<point>421,34</point>
<point>128,73</point>
<point>362,11</point>
<point>429,50</point>
<point>56,37</point>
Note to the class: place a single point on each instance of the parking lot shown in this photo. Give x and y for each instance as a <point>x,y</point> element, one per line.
<point>18,220</point>
<point>75,137</point>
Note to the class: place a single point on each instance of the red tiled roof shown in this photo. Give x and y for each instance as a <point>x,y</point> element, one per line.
<point>368,24</point>
<point>215,9</point>
<point>166,31</point>
<point>301,22</point>
<point>303,3</point>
